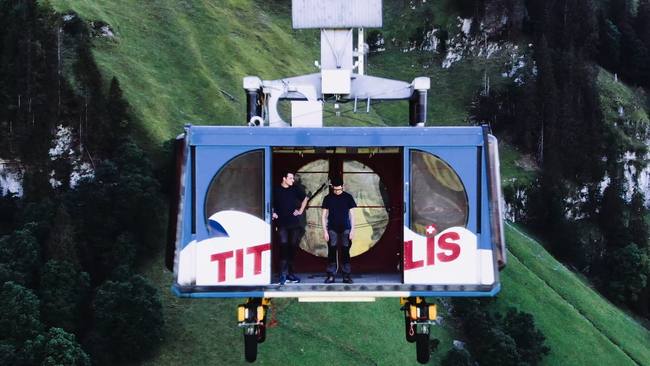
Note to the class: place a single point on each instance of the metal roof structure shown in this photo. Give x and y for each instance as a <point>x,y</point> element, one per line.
<point>336,14</point>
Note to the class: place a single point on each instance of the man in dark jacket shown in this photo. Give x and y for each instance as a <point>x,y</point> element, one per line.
<point>338,228</point>
<point>285,197</point>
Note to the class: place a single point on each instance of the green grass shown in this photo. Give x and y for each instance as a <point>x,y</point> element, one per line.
<point>514,165</point>
<point>616,94</point>
<point>176,60</point>
<point>204,331</point>
<point>625,107</point>
<point>581,325</point>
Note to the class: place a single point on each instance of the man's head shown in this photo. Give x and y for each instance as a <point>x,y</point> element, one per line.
<point>287,178</point>
<point>337,185</point>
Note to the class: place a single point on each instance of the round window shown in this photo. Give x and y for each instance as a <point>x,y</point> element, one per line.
<point>371,215</point>
<point>438,195</point>
<point>239,186</point>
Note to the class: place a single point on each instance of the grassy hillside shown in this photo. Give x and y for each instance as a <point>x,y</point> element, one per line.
<point>582,328</point>
<point>178,62</point>
<point>183,62</point>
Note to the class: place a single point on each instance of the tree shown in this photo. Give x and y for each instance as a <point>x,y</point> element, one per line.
<point>498,348</point>
<point>129,315</point>
<point>19,315</point>
<point>63,293</point>
<point>547,99</point>
<point>62,245</point>
<point>56,348</point>
<point>130,159</point>
<point>8,211</point>
<point>28,80</point>
<point>642,22</point>
<point>20,257</point>
<point>470,8</point>
<point>138,206</point>
<point>530,341</point>
<point>37,216</point>
<point>118,114</point>
<point>457,357</point>
<point>93,122</point>
<point>122,254</point>
<point>642,30</point>
<point>624,272</point>
<point>92,208</point>
<point>613,213</point>
<point>36,185</point>
<point>9,356</point>
<point>634,56</point>
<point>638,223</point>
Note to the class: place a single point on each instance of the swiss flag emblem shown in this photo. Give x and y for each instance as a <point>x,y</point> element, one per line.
<point>431,230</point>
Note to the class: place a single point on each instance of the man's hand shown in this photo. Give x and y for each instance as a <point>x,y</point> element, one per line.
<point>297,212</point>
<point>326,236</point>
<point>351,234</point>
<point>275,216</point>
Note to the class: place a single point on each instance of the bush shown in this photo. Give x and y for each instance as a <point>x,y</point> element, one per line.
<point>457,357</point>
<point>63,293</point>
<point>56,348</point>
<point>19,314</point>
<point>530,341</point>
<point>129,316</point>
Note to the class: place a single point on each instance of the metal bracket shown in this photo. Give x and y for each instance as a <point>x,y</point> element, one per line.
<point>356,98</point>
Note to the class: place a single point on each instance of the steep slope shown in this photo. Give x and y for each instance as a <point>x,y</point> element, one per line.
<point>183,62</point>
<point>582,327</point>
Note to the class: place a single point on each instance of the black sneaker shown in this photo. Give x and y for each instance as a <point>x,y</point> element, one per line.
<point>347,279</point>
<point>292,279</point>
<point>330,279</point>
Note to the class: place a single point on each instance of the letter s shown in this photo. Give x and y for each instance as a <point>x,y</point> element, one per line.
<point>445,244</point>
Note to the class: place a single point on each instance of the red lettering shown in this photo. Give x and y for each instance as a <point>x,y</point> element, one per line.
<point>431,250</point>
<point>445,244</point>
<point>408,257</point>
<point>220,258</point>
<point>257,253</point>
<point>239,263</point>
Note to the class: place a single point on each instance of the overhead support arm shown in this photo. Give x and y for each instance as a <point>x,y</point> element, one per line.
<point>253,87</point>
<point>418,102</point>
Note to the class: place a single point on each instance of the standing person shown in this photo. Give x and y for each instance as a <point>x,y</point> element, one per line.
<point>285,196</point>
<point>338,228</point>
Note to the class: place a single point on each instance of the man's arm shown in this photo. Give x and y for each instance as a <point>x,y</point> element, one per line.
<point>302,207</point>
<point>351,223</point>
<point>323,221</point>
<point>273,214</point>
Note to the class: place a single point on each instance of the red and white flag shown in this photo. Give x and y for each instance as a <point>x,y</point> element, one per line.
<point>431,230</point>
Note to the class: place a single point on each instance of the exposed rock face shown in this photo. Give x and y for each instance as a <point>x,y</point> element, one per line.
<point>11,172</point>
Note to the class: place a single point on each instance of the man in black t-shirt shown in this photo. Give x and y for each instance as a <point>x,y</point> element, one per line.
<point>338,228</point>
<point>286,216</point>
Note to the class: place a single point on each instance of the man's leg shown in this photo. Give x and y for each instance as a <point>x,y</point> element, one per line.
<point>294,242</point>
<point>345,252</point>
<point>283,238</point>
<point>331,252</point>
